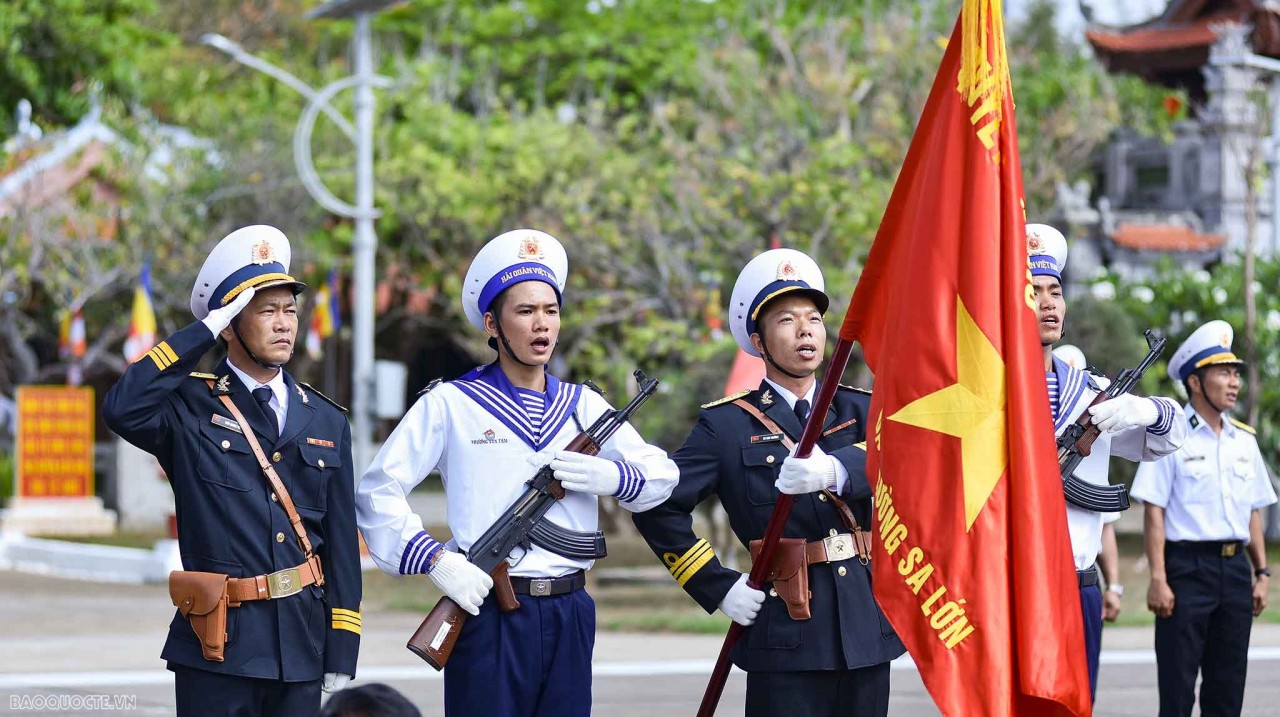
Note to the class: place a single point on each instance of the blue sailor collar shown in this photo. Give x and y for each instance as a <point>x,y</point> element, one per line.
<point>489,386</point>
<point>1071,385</point>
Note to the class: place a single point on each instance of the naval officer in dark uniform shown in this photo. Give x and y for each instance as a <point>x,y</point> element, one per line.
<point>828,654</point>
<point>296,627</point>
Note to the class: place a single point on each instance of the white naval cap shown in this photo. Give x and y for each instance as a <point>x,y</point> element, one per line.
<point>1071,355</point>
<point>1208,345</point>
<point>254,256</point>
<point>1046,251</point>
<point>768,276</point>
<point>507,260</point>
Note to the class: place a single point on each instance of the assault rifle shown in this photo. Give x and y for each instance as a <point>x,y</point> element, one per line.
<point>521,526</point>
<point>1077,441</point>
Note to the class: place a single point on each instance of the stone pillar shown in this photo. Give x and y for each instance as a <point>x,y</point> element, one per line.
<point>146,500</point>
<point>1232,132</point>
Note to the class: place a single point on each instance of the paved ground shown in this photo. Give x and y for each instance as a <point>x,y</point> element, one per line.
<point>79,647</point>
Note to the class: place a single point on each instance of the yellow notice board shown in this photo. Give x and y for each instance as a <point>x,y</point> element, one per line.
<point>55,442</point>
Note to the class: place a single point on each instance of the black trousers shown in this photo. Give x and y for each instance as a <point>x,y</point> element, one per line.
<point>201,693</point>
<point>1208,632</point>
<point>863,692</point>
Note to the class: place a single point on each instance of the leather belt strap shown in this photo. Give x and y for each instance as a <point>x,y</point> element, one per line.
<point>1088,577</point>
<point>286,501</point>
<point>1220,548</point>
<point>545,587</point>
<point>862,538</point>
<point>273,586</point>
<point>832,549</point>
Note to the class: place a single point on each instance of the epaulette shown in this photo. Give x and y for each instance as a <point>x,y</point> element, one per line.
<point>328,400</point>
<point>854,388</point>
<point>726,399</point>
<point>592,385</point>
<point>1243,426</point>
<point>427,389</point>
<point>204,376</point>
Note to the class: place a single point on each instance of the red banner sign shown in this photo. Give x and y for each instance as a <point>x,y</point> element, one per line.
<point>55,442</point>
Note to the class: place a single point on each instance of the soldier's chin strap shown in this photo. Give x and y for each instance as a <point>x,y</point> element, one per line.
<point>502,336</point>
<point>235,328</point>
<point>769,357</point>
<point>1205,393</point>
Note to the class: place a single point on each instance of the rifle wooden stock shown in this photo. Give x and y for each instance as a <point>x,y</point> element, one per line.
<point>1091,432</point>
<point>435,638</point>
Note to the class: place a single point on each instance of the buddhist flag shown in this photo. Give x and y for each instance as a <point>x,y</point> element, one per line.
<point>142,321</point>
<point>324,318</point>
<point>972,561</point>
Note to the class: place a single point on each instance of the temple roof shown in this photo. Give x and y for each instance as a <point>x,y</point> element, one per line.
<point>1165,237</point>
<point>1172,48</point>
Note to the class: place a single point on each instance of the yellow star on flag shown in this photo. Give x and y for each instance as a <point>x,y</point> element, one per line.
<point>971,409</point>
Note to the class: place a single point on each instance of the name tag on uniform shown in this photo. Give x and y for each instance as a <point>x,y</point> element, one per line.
<point>319,442</point>
<point>227,423</point>
<point>1189,459</point>
<point>767,438</point>
<point>846,424</point>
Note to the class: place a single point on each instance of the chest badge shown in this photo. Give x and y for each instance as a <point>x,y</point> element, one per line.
<point>767,438</point>
<point>319,442</point>
<point>227,423</point>
<point>842,426</point>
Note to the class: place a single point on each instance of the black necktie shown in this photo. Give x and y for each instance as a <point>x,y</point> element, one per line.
<point>262,395</point>
<point>802,410</point>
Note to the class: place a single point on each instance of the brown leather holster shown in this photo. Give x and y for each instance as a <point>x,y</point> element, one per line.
<point>202,599</point>
<point>789,574</point>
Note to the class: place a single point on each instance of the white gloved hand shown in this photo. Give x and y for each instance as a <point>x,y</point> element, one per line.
<point>742,602</point>
<point>463,582</point>
<point>586,474</point>
<point>220,318</point>
<point>334,681</point>
<point>806,475</point>
<point>1124,412</point>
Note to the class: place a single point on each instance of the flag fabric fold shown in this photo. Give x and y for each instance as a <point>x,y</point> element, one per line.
<point>973,560</point>
<point>142,319</point>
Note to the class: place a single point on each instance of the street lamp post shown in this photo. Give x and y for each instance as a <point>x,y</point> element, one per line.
<point>362,212</point>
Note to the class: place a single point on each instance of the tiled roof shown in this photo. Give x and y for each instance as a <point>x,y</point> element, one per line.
<point>1165,237</point>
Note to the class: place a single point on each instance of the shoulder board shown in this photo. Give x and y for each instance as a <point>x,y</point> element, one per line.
<point>592,385</point>
<point>726,399</point>
<point>204,376</point>
<point>854,388</point>
<point>1243,426</point>
<point>427,389</point>
<point>327,400</point>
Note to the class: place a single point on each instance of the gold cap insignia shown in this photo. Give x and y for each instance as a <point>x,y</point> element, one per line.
<point>1225,340</point>
<point>262,253</point>
<point>787,272</point>
<point>1034,245</point>
<point>530,249</point>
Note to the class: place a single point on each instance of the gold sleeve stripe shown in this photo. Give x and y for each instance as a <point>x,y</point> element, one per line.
<point>348,626</point>
<point>157,356</point>
<point>351,615</point>
<point>168,352</point>
<point>692,561</point>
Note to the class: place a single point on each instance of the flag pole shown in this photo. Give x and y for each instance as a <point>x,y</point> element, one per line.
<point>781,510</point>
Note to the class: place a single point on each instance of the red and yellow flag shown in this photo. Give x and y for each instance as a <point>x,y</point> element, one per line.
<point>973,561</point>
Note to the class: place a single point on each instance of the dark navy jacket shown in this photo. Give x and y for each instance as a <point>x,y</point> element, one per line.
<point>847,629</point>
<point>228,521</point>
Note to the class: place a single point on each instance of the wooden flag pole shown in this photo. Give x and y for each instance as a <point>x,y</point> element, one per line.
<point>778,520</point>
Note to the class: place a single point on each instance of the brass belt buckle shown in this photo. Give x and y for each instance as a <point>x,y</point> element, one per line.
<point>839,547</point>
<point>284,583</point>
<point>1228,550</point>
<point>540,588</point>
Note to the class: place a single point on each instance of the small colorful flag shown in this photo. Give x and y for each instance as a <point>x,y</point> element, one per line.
<point>142,321</point>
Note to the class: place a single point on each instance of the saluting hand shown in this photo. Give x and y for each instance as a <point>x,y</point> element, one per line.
<point>220,318</point>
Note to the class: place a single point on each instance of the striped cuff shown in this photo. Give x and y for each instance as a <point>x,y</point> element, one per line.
<point>630,482</point>
<point>683,567</point>
<point>348,620</point>
<point>1164,422</point>
<point>416,559</point>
